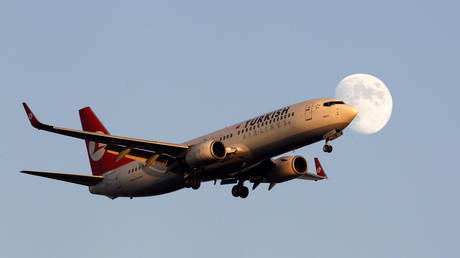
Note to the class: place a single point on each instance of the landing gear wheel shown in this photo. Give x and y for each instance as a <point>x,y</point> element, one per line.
<point>236,191</point>
<point>196,184</point>
<point>327,148</point>
<point>240,191</point>
<point>244,192</point>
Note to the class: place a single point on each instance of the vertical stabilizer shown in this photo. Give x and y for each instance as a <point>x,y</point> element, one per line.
<point>101,161</point>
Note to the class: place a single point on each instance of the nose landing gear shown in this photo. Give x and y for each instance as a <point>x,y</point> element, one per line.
<point>334,134</point>
<point>327,147</point>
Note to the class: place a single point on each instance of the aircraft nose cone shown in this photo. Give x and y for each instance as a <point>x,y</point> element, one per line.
<point>354,111</point>
<point>351,113</point>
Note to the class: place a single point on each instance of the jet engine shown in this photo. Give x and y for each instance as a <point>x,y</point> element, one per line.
<point>287,168</point>
<point>205,153</point>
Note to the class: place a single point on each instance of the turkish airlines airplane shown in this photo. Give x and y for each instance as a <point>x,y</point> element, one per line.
<point>128,167</point>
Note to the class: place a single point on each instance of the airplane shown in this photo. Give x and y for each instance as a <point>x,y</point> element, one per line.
<point>129,167</point>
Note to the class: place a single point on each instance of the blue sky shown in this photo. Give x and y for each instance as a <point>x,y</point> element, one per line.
<point>174,70</point>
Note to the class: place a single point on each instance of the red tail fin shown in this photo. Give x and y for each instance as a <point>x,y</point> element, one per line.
<point>319,169</point>
<point>100,160</point>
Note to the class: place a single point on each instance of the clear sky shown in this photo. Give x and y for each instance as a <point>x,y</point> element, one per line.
<point>174,70</point>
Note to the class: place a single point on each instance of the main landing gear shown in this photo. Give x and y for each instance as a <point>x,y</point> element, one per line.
<point>240,190</point>
<point>193,181</point>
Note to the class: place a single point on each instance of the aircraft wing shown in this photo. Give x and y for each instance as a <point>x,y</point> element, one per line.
<point>72,178</point>
<point>172,149</point>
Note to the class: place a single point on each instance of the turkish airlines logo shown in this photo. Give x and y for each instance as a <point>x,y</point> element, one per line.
<point>318,170</point>
<point>96,150</point>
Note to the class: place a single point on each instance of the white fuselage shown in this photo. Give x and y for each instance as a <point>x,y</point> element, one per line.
<point>248,142</point>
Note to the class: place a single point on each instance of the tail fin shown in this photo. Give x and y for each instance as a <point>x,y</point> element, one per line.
<point>101,161</point>
<point>319,169</point>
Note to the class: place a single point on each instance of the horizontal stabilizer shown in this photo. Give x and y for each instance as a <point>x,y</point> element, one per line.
<point>309,176</point>
<point>320,174</point>
<point>71,178</point>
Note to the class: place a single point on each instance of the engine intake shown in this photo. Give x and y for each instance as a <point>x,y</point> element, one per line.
<point>287,168</point>
<point>205,153</point>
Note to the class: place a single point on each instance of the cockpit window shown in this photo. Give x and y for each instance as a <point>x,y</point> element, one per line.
<point>331,103</point>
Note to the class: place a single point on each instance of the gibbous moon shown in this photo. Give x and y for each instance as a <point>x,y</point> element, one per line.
<point>370,97</point>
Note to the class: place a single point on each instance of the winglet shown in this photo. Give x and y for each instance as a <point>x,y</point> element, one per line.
<point>33,120</point>
<point>319,169</point>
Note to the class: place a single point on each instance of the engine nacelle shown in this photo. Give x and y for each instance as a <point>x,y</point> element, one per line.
<point>205,153</point>
<point>287,168</point>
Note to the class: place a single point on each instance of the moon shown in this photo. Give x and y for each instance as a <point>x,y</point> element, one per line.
<point>370,97</point>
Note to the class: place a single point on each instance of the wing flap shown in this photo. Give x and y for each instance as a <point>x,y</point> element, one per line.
<point>71,178</point>
<point>141,154</point>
